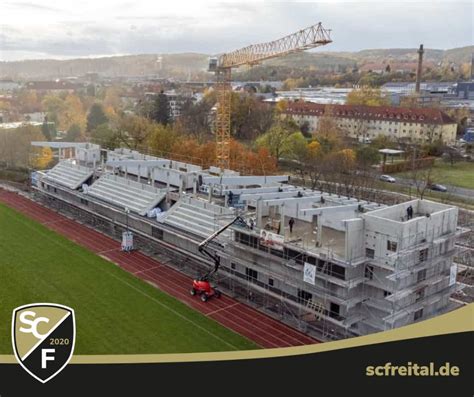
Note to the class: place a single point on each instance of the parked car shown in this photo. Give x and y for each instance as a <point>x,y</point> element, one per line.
<point>438,188</point>
<point>387,178</point>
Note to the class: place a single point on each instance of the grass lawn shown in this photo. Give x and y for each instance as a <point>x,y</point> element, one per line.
<point>116,313</point>
<point>460,174</point>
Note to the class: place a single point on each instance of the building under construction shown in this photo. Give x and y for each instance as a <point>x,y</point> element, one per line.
<point>331,266</point>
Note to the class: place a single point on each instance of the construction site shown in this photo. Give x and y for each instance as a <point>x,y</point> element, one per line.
<point>330,266</point>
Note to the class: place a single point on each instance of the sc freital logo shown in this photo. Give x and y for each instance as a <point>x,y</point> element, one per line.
<point>43,336</point>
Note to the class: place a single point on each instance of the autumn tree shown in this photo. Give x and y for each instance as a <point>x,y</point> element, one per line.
<point>328,134</point>
<point>367,156</point>
<point>280,139</point>
<point>15,145</point>
<point>260,162</point>
<point>73,113</point>
<point>194,119</point>
<point>460,116</point>
<point>54,106</point>
<point>133,130</point>
<point>291,83</point>
<point>249,116</point>
<point>311,162</point>
<point>161,139</point>
<point>112,97</point>
<point>43,158</point>
<point>340,167</point>
<point>28,101</point>
<point>106,136</point>
<point>367,96</point>
<point>421,175</point>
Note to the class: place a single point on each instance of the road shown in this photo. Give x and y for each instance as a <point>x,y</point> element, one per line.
<point>452,190</point>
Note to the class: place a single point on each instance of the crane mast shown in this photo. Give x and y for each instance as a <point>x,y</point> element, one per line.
<point>311,37</point>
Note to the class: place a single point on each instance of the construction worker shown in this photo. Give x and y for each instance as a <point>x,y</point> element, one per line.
<point>291,223</point>
<point>409,212</point>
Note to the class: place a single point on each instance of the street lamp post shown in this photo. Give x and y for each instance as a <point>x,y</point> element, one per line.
<point>127,211</point>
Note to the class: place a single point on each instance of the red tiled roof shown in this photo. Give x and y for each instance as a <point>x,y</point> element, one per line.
<point>390,113</point>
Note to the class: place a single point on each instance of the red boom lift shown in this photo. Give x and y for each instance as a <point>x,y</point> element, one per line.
<point>202,286</point>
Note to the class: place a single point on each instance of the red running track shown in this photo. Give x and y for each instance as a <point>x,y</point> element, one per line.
<point>243,319</point>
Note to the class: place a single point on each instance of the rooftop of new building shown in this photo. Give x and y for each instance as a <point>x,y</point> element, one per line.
<point>400,213</point>
<point>195,200</point>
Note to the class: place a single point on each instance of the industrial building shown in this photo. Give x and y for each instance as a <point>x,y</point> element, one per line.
<point>331,266</point>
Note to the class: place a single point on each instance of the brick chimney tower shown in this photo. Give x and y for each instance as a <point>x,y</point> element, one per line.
<point>419,69</point>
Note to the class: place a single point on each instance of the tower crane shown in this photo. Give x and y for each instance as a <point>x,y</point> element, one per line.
<point>311,37</point>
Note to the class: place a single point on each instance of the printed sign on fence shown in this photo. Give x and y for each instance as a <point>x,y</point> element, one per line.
<point>272,240</point>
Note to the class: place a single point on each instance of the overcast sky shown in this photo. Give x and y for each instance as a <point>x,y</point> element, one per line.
<point>68,29</point>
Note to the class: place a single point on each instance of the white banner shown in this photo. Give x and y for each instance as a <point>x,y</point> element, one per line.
<point>272,240</point>
<point>309,273</point>
<point>452,274</point>
<point>127,241</point>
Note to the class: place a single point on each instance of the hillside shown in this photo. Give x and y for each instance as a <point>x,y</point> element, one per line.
<point>194,65</point>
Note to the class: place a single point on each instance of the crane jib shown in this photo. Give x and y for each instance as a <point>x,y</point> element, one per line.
<point>305,39</point>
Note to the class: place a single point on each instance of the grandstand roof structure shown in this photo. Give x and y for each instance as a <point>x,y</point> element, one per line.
<point>125,193</point>
<point>69,174</point>
<point>197,216</point>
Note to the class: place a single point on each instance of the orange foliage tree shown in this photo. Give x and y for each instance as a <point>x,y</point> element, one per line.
<point>242,158</point>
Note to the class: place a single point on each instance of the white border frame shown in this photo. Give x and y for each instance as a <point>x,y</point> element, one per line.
<point>73,339</point>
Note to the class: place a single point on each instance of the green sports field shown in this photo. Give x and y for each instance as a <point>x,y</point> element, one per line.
<point>116,313</point>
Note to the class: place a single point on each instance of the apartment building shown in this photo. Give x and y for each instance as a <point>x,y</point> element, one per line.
<point>367,122</point>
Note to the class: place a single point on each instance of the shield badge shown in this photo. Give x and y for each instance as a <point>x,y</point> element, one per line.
<point>43,336</point>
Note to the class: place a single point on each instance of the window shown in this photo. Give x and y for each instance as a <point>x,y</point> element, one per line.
<point>386,293</point>
<point>392,246</point>
<point>418,314</point>
<point>304,296</point>
<point>270,282</point>
<point>419,295</point>
<point>298,257</point>
<point>232,266</point>
<point>243,238</point>
<point>369,253</point>
<point>338,271</point>
<point>158,233</point>
<point>423,255</point>
<point>251,274</point>
<point>421,275</point>
<point>369,272</point>
<point>334,310</point>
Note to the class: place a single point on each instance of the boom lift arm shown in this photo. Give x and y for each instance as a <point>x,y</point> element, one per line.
<point>204,249</point>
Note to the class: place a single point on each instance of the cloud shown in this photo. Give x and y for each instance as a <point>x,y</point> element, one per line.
<point>109,27</point>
